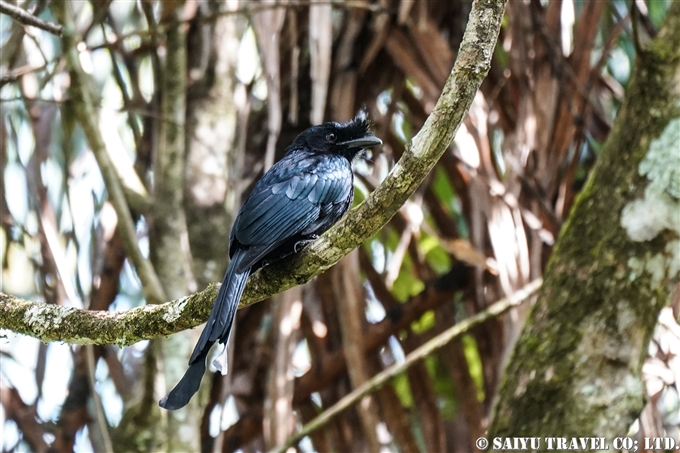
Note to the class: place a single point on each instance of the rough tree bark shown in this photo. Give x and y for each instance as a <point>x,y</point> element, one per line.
<point>168,235</point>
<point>576,369</point>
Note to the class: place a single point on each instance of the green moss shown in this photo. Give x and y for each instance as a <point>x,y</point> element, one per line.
<point>582,349</point>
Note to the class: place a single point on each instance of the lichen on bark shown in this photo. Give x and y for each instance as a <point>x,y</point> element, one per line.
<point>576,369</point>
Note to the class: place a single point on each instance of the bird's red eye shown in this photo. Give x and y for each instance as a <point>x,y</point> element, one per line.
<point>330,137</point>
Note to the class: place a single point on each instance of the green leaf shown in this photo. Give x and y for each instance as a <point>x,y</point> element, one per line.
<point>406,285</point>
<point>425,323</point>
<point>443,387</point>
<point>403,390</point>
<point>437,257</point>
<point>474,364</point>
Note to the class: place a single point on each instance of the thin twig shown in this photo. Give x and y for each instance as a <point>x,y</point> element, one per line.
<point>122,109</point>
<point>247,10</point>
<point>25,18</point>
<point>127,102</point>
<point>422,352</point>
<point>100,417</point>
<point>17,73</point>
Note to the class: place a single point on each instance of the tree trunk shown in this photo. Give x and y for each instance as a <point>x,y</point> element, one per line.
<point>576,369</point>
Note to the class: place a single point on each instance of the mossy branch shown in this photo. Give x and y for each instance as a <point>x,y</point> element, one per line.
<point>421,154</point>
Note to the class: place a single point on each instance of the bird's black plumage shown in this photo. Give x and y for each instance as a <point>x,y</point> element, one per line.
<point>300,197</point>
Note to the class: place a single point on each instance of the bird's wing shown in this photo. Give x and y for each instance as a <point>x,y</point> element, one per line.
<point>288,199</point>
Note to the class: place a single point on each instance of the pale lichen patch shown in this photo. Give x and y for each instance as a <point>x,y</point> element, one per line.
<point>659,209</point>
<point>659,266</point>
<point>175,310</point>
<point>643,219</point>
<point>34,314</point>
<point>673,252</point>
<point>43,314</point>
<point>661,164</point>
<point>43,318</point>
<point>626,317</point>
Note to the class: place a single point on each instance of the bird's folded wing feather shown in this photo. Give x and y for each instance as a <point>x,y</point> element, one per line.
<point>281,207</point>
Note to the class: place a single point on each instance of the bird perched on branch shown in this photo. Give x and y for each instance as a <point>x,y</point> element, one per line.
<point>299,198</point>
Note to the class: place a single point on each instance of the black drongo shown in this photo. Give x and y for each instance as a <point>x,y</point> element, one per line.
<point>299,198</point>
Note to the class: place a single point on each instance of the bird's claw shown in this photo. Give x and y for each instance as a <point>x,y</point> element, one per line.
<point>299,245</point>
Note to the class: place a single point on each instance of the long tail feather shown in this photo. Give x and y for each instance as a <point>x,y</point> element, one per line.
<point>218,327</point>
<point>186,388</point>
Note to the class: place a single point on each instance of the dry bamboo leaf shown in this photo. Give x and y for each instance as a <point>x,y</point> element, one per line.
<point>584,38</point>
<point>351,308</point>
<point>545,101</point>
<point>380,27</point>
<point>342,93</point>
<point>501,226</point>
<point>464,251</point>
<point>320,43</point>
<point>563,134</point>
<point>267,24</point>
<point>352,26</point>
<point>292,35</point>
<point>656,368</point>
<point>434,49</point>
<point>406,57</point>
<point>553,18</point>
<point>342,96</point>
<point>404,10</point>
<point>667,319</point>
<point>279,420</point>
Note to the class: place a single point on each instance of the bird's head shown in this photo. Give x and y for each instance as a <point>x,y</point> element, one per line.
<point>346,139</point>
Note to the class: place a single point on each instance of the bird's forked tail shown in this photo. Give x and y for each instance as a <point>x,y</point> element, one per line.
<point>218,327</point>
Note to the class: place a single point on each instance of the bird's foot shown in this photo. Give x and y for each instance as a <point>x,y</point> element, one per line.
<point>299,245</point>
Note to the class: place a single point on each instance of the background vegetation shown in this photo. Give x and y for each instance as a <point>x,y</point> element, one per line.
<point>193,101</point>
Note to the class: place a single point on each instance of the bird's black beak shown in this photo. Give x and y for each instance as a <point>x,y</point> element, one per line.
<point>368,141</point>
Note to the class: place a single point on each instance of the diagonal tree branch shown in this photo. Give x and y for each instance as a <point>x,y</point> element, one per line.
<point>420,155</point>
<point>418,354</point>
<point>26,18</point>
